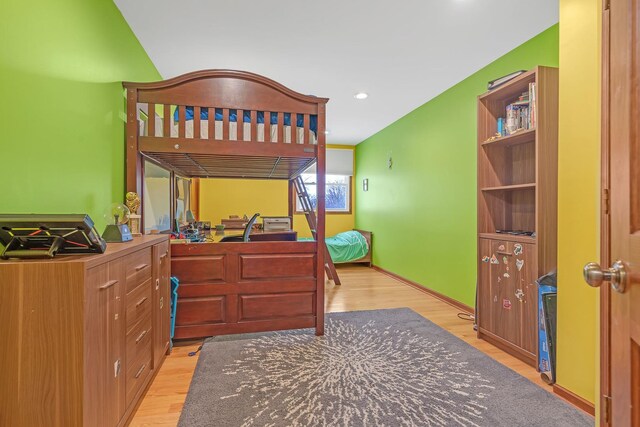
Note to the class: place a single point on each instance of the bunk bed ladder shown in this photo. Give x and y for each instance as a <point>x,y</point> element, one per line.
<point>307,207</point>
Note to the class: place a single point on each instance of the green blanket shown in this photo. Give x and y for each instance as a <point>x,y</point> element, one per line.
<point>345,247</point>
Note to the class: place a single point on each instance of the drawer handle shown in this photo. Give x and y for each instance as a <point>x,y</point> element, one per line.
<point>141,267</point>
<point>164,255</point>
<point>116,368</point>
<point>141,302</point>
<point>504,253</point>
<point>141,336</point>
<point>108,285</point>
<point>140,370</point>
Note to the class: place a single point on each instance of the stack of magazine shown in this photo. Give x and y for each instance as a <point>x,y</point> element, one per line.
<point>493,84</point>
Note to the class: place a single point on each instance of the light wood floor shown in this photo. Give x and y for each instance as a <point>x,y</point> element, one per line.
<point>362,289</point>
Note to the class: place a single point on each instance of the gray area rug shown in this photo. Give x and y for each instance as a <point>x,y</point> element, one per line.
<point>372,368</point>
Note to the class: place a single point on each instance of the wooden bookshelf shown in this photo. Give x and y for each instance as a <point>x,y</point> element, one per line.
<point>517,190</point>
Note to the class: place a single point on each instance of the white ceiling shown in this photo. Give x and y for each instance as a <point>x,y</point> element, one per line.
<point>403,52</point>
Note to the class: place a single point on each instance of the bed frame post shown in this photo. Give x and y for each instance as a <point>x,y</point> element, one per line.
<point>320,226</point>
<point>292,201</point>
<point>195,197</point>
<point>134,159</point>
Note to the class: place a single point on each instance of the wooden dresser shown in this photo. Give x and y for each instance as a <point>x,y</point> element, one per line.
<point>83,336</point>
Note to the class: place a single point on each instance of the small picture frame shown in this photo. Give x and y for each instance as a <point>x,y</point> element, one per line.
<point>365,184</point>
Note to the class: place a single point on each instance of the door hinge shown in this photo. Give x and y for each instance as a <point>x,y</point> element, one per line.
<point>605,201</point>
<point>605,413</point>
<point>606,4</point>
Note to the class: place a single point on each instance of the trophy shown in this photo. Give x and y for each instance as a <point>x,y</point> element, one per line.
<point>132,200</point>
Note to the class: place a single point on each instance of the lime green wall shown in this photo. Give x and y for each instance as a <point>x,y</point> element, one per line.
<point>423,211</point>
<point>61,127</point>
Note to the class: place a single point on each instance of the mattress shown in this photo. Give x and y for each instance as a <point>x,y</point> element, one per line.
<point>233,131</point>
<point>345,247</point>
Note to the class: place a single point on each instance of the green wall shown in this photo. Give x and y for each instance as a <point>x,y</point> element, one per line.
<point>62,106</point>
<point>422,211</point>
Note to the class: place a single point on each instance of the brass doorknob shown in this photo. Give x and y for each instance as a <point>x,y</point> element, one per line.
<point>594,275</point>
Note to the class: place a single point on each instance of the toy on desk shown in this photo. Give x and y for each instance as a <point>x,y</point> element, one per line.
<point>192,231</point>
<point>117,230</point>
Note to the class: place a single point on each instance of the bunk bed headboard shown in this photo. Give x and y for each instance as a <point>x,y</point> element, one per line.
<point>222,123</point>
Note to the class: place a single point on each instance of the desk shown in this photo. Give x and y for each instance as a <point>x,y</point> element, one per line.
<point>256,236</point>
<point>239,287</point>
<point>273,236</point>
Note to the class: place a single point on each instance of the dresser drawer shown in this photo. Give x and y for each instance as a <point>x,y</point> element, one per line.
<point>137,372</point>
<point>138,305</point>
<point>138,268</point>
<point>139,339</point>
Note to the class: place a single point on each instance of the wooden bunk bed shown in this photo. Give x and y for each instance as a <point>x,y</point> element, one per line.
<point>234,124</point>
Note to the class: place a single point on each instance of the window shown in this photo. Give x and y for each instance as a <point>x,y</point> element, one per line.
<point>337,194</point>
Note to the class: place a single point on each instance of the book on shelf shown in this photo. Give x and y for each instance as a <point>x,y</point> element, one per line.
<point>532,103</point>
<point>520,114</point>
<point>501,126</point>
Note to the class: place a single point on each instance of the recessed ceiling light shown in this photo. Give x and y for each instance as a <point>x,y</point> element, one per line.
<point>361,95</point>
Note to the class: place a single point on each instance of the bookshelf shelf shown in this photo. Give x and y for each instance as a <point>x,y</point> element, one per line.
<point>523,137</point>
<point>517,190</point>
<point>507,237</point>
<point>510,187</point>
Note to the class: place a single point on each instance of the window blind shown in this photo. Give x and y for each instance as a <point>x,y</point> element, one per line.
<point>339,162</point>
